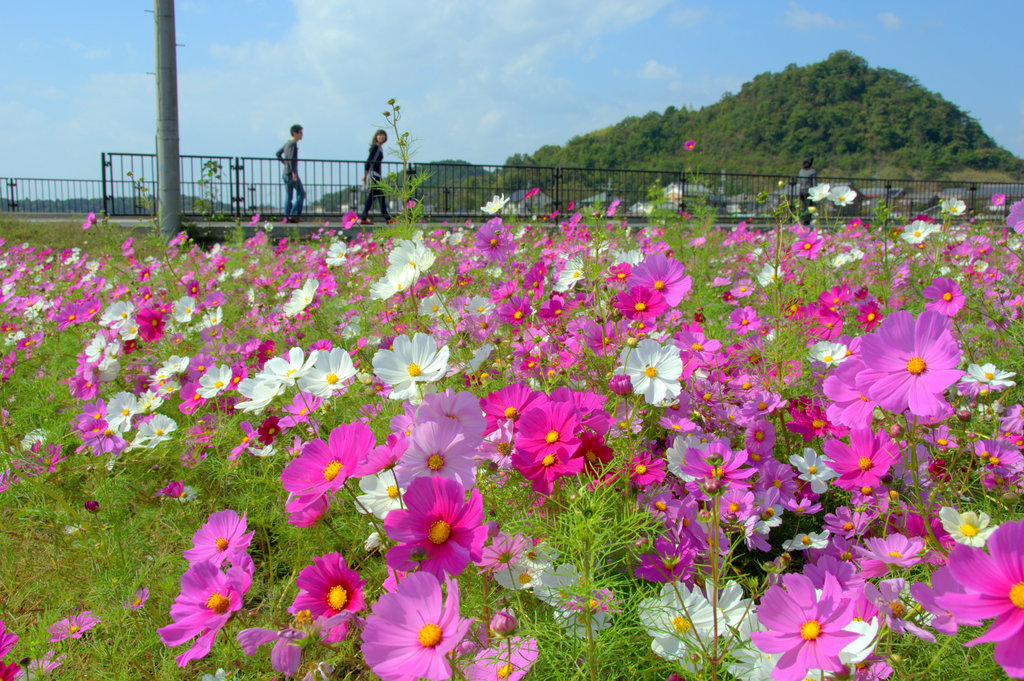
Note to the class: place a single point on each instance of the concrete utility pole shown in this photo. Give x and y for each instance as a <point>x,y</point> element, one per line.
<point>168,169</point>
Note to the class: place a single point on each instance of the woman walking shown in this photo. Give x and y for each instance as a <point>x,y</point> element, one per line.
<point>371,176</point>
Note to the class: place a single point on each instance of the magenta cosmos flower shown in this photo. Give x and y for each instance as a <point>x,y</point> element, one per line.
<point>640,303</point>
<point>910,363</point>
<point>994,586</point>
<point>805,627</point>
<point>546,443</point>
<point>944,296</point>
<point>207,599</point>
<point>664,275</point>
<point>410,632</point>
<point>73,627</point>
<point>327,588</point>
<point>437,529</point>
<point>862,463</point>
<point>219,539</point>
<point>323,467</point>
<point>881,552</point>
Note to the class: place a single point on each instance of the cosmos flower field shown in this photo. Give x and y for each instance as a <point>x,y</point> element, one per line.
<point>569,448</point>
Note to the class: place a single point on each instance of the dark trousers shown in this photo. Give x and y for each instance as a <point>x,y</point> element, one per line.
<point>376,193</point>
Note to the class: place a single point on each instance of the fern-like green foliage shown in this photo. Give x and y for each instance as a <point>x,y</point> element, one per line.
<point>852,118</point>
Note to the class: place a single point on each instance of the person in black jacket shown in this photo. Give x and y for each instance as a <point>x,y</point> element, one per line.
<point>807,178</point>
<point>371,176</point>
<point>288,155</point>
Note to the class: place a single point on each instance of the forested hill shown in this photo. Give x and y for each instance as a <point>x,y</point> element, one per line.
<point>852,118</point>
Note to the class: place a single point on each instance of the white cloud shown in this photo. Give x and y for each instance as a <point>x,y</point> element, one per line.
<point>890,20</point>
<point>804,20</point>
<point>654,70</point>
<point>689,17</point>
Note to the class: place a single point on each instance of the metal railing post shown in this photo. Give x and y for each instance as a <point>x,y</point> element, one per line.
<point>237,196</point>
<point>556,188</point>
<point>12,196</point>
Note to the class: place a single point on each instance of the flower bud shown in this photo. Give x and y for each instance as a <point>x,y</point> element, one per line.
<point>620,384</point>
<point>503,623</point>
<point>895,430</point>
<point>631,342</point>
<point>964,414</point>
<point>372,542</point>
<point>92,506</point>
<point>418,553</point>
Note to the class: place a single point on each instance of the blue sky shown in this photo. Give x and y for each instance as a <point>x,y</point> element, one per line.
<point>476,80</point>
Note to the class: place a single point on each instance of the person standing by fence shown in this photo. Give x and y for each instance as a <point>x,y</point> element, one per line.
<point>371,178</point>
<point>807,178</point>
<point>289,156</point>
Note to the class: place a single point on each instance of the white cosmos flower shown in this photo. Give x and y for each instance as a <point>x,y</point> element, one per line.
<point>954,207</point>
<point>156,430</point>
<point>571,273</point>
<point>410,362</point>
<point>525,573</point>
<point>990,375</point>
<point>819,192</point>
<point>769,274</point>
<point>288,369</point>
<point>968,528</point>
<point>917,231</point>
<point>495,205</point>
<point>214,381</point>
<point>385,288</point>
<point>184,308</point>
<point>120,410</point>
<point>336,254</point>
<point>804,541</point>
<point>828,353</point>
<point>329,374</point>
<point>814,469</point>
<point>381,494</point>
<point>258,394</point>
<point>301,298</point>
<point>408,261</point>
<point>842,196</point>
<point>653,369</point>
<point>679,629</point>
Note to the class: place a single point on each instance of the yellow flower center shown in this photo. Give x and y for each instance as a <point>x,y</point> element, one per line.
<point>681,624</point>
<point>989,375</point>
<point>660,505</point>
<point>1017,594</point>
<point>430,635</point>
<point>640,306</point>
<point>733,507</point>
<point>812,469</point>
<point>218,603</point>
<point>337,597</point>
<point>847,526</point>
<point>659,285</point>
<point>414,370</point>
<point>439,532</point>
<point>331,470</point>
<point>968,530</point>
<point>650,372</point>
<point>759,436</point>
<point>947,296</point>
<point>518,314</point>
<point>818,423</point>
<point>810,630</point>
<point>827,358</point>
<point>697,346</point>
<point>504,671</point>
<point>511,413</point>
<point>392,492</point>
<point>73,628</point>
<point>805,540</point>
<point>331,378</point>
<point>548,460</point>
<point>525,578</point>
<point>916,365</point>
<point>551,437</point>
<point>222,544</point>
<point>864,463</point>
<point>640,469</point>
<point>435,462</point>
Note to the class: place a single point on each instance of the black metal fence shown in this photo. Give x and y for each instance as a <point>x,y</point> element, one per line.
<point>215,187</point>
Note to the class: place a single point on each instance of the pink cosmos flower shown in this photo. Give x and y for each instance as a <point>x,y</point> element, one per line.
<point>7,640</point>
<point>221,538</point>
<point>850,406</point>
<point>328,588</point>
<point>505,405</point>
<point>411,632</point>
<point>324,467</point>
<point>664,275</point>
<point>997,199</point>
<point>138,599</point>
<point>438,529</point>
<point>806,628</point>
<point>862,463</point>
<point>208,598</point>
<point>546,443</point>
<point>509,661</point>
<point>893,550</point>
<point>73,627</point>
<point>717,466</point>
<point>994,585</point>
<point>151,324</point>
<point>910,363</point>
<point>515,311</point>
<point>438,448</point>
<point>944,296</point>
<point>1015,218</point>
<point>639,303</point>
<point>689,145</point>
<point>90,219</point>
<point>743,320</point>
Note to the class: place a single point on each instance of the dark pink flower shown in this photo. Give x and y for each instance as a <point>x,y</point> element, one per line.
<point>327,588</point>
<point>862,463</point>
<point>324,467</point>
<point>437,529</point>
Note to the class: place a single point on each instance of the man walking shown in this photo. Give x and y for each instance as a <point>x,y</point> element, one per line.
<point>289,156</point>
